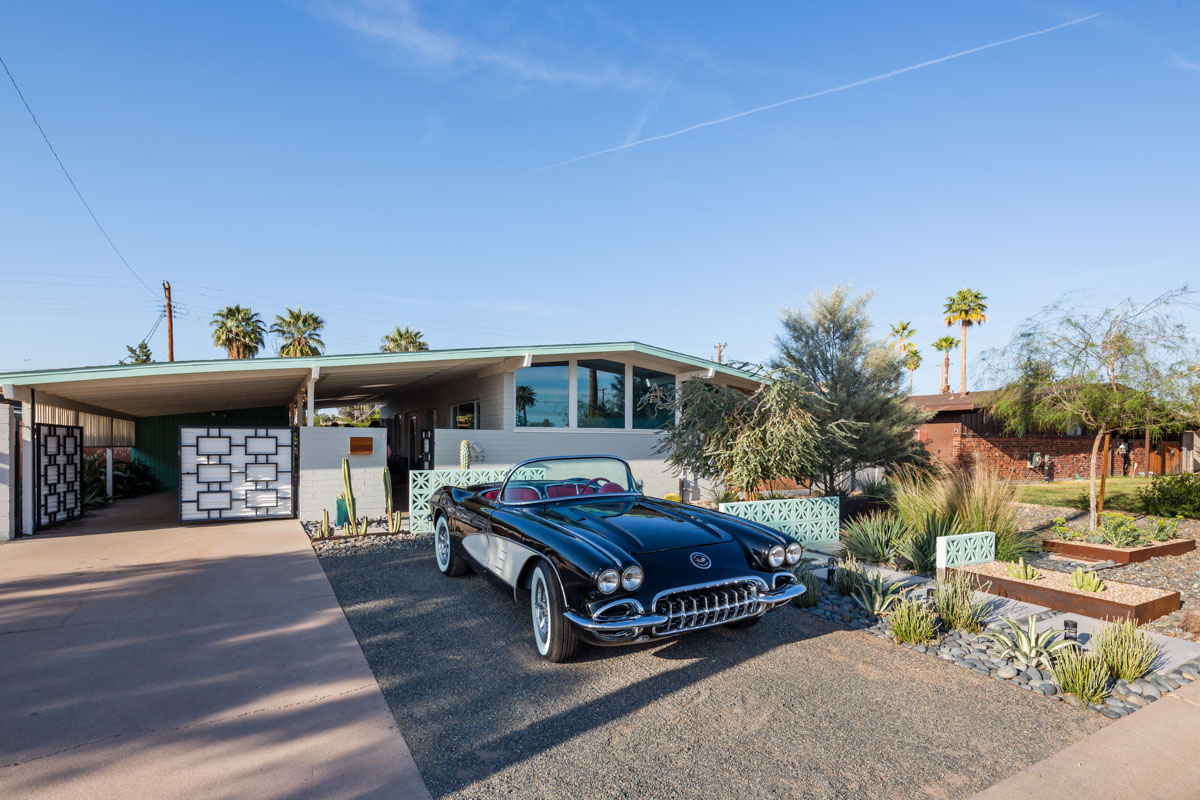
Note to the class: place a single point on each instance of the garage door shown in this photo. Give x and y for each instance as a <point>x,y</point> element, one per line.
<point>236,472</point>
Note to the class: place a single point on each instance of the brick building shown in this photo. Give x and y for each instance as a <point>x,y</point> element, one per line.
<point>961,433</point>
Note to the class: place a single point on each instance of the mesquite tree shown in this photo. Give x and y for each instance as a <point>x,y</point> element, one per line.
<point>1126,368</point>
<point>744,439</point>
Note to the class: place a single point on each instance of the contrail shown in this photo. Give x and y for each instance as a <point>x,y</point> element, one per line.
<point>822,93</point>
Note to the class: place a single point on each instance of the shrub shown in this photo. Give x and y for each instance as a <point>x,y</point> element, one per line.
<point>1191,622</point>
<point>964,501</point>
<point>879,487</point>
<point>955,603</point>
<point>812,587</point>
<point>94,482</point>
<point>133,479</point>
<point>1022,571</point>
<point>1128,652</point>
<point>1026,645</point>
<point>1061,530</point>
<point>873,537</point>
<point>912,621</point>
<point>919,549</point>
<point>1084,675</point>
<point>876,597</point>
<point>1086,581</point>
<point>848,576</point>
<point>1172,495</point>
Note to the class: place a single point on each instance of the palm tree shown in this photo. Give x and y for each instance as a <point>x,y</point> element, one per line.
<point>526,398</point>
<point>299,333</point>
<point>945,345</point>
<point>912,360</point>
<point>239,330</point>
<point>965,308</point>
<point>902,332</point>
<point>403,340</point>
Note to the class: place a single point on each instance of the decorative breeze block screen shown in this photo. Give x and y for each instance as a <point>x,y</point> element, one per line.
<point>966,548</point>
<point>808,519</point>
<point>60,473</point>
<point>422,483</point>
<point>235,472</point>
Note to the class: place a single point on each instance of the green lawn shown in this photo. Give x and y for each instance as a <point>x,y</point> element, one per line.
<point>1120,494</point>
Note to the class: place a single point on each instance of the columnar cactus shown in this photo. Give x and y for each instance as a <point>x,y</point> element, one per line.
<point>325,523</point>
<point>393,517</point>
<point>464,454</point>
<point>348,490</point>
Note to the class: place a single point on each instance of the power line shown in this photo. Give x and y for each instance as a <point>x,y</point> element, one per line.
<point>71,180</point>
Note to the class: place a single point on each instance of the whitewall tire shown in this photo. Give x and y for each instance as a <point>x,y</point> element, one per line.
<point>449,562</point>
<point>553,636</point>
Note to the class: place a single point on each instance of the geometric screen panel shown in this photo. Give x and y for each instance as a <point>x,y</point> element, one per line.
<point>235,472</point>
<point>60,470</point>
<point>808,519</point>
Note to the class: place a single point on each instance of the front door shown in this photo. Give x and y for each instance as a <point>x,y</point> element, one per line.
<point>1164,457</point>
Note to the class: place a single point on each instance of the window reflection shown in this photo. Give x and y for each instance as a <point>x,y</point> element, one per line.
<point>600,385</point>
<point>542,396</point>
<point>650,389</point>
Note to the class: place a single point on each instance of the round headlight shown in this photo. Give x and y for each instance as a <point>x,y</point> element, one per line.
<point>775,556</point>
<point>632,578</point>
<point>608,581</point>
<point>794,551</point>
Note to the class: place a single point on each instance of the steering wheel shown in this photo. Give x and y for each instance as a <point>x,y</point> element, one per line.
<point>595,483</point>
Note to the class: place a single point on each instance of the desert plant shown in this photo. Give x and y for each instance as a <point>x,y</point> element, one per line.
<point>718,495</point>
<point>1061,530</point>
<point>1025,645</point>
<point>672,498</point>
<point>873,537</point>
<point>812,587</point>
<point>1022,571</point>
<point>325,523</point>
<point>1163,530</point>
<point>1171,495</point>
<point>919,549</point>
<point>879,487</point>
<point>1086,581</point>
<point>955,602</point>
<point>848,576</point>
<point>876,597</point>
<point>464,454</point>
<point>912,621</point>
<point>1119,529</point>
<point>133,479</point>
<point>353,526</point>
<point>1128,652</point>
<point>962,501</point>
<point>1082,674</point>
<point>392,518</point>
<point>95,492</point>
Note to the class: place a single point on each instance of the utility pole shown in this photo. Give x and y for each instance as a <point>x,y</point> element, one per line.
<point>720,348</point>
<point>170,323</point>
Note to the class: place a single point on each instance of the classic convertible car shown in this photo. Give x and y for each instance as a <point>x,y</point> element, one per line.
<point>601,562</point>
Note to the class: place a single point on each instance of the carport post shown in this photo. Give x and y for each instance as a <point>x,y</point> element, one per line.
<point>312,390</point>
<point>28,504</point>
<point>108,471</point>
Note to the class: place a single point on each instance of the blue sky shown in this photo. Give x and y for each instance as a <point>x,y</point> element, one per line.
<point>382,162</point>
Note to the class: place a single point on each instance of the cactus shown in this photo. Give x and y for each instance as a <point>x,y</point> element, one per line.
<point>393,517</point>
<point>1022,571</point>
<point>348,490</point>
<point>464,454</point>
<point>325,523</point>
<point>1027,645</point>
<point>1086,581</point>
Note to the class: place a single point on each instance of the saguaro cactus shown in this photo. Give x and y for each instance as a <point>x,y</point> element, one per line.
<point>352,525</point>
<point>464,454</point>
<point>325,524</point>
<point>393,517</point>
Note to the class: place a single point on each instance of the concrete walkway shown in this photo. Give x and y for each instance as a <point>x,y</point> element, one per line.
<point>1150,755</point>
<point>139,658</point>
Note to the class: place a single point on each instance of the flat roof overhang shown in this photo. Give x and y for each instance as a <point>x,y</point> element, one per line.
<point>179,387</point>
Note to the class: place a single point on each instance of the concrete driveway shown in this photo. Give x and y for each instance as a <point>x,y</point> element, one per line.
<point>142,659</point>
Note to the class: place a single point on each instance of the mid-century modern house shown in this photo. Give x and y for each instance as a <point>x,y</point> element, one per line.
<point>961,433</point>
<point>236,438</point>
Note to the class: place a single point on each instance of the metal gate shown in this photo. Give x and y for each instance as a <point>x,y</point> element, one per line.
<point>59,457</point>
<point>236,472</point>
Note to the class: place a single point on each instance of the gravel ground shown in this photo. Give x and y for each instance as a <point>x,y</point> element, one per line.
<point>1178,573</point>
<point>795,707</point>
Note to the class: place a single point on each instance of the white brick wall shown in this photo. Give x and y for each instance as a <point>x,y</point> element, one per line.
<point>8,473</point>
<point>321,454</point>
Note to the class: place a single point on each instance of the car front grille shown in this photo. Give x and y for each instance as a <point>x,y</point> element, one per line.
<point>701,607</point>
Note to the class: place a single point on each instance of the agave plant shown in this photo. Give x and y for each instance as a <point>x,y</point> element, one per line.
<point>1026,645</point>
<point>876,597</point>
<point>848,576</point>
<point>1022,571</point>
<point>872,537</point>
<point>1086,581</point>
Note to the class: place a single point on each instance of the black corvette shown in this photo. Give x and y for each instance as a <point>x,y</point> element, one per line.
<point>605,564</point>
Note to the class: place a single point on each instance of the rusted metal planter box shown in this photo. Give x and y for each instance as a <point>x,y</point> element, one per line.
<point>1120,555</point>
<point>1096,606</point>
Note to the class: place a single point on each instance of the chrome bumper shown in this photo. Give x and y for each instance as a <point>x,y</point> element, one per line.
<point>768,600</point>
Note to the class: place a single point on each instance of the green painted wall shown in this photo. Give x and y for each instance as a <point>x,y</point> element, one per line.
<point>158,437</point>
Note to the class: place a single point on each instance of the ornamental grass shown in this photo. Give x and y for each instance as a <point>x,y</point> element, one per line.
<point>1128,652</point>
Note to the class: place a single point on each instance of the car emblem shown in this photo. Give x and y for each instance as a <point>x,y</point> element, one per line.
<point>701,561</point>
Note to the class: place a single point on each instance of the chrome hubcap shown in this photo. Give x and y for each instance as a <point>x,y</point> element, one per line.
<point>541,611</point>
<point>442,543</point>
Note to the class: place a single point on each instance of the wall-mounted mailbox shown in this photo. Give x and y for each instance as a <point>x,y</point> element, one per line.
<point>361,445</point>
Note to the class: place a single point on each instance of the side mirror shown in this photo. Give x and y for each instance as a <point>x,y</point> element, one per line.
<point>638,484</point>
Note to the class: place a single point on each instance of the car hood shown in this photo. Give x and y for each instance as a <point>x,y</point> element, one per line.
<point>635,526</point>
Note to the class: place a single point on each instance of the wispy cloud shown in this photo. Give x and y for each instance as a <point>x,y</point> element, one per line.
<point>1185,63</point>
<point>398,23</point>
<point>824,92</point>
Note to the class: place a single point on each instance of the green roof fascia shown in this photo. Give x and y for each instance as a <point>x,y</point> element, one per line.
<point>62,375</point>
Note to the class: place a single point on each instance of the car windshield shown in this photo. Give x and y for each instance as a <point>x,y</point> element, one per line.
<point>559,478</point>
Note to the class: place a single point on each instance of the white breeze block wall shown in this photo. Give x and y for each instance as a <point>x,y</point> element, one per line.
<point>321,454</point>
<point>8,473</point>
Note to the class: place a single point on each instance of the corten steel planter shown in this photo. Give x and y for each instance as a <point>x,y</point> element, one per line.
<point>1096,606</point>
<point>1120,555</point>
